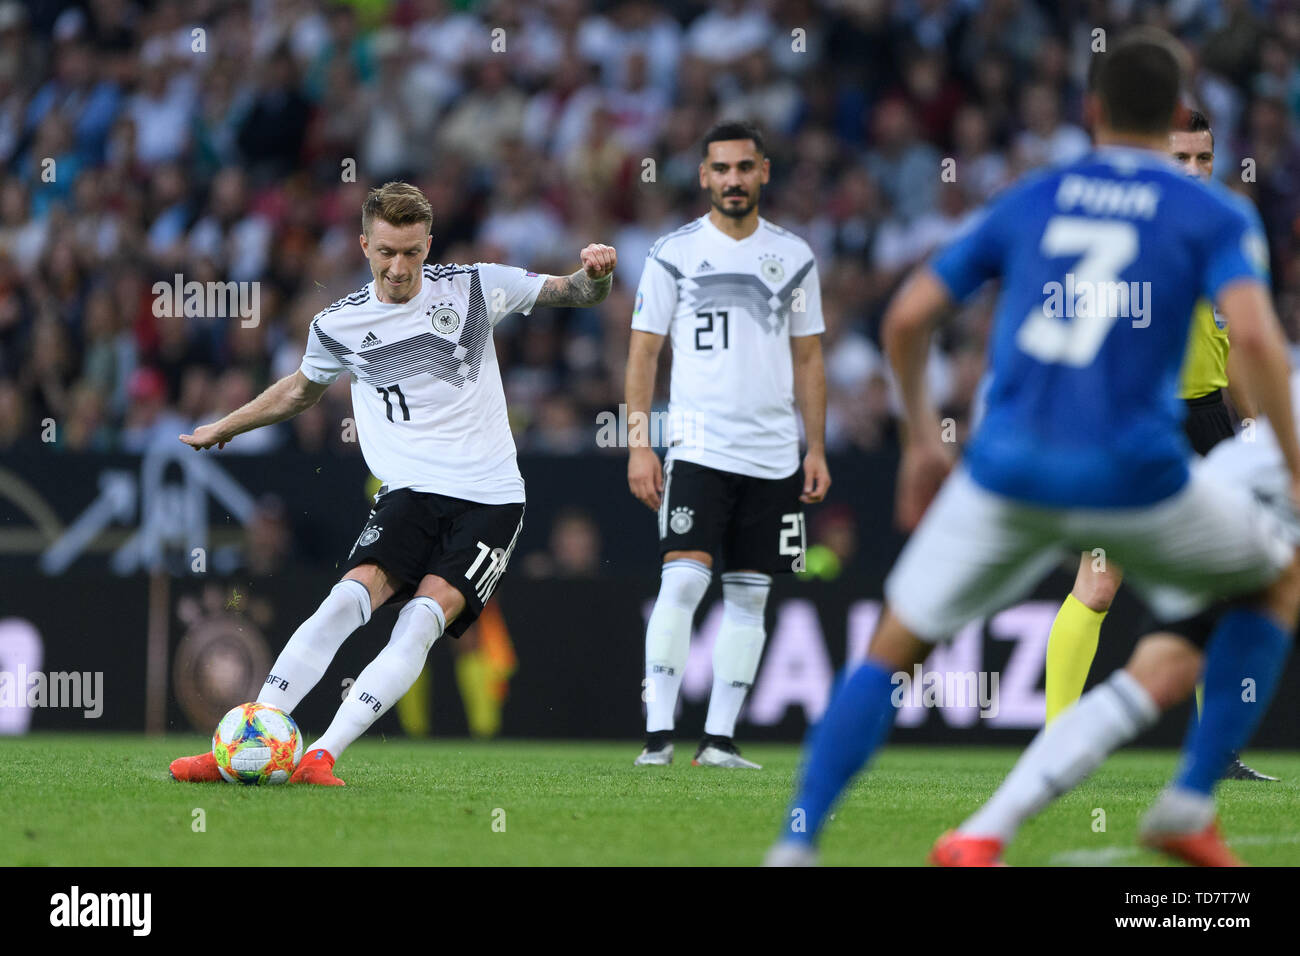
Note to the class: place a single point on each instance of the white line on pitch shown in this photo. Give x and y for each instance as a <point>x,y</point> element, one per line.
<point>1108,855</point>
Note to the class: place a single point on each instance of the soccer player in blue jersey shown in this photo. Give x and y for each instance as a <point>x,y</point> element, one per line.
<point>1101,262</point>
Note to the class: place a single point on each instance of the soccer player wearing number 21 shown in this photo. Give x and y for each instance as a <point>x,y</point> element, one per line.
<point>431,418</point>
<point>1081,445</point>
<point>739,298</point>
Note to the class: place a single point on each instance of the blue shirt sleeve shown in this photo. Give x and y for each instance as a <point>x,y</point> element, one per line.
<point>975,256</point>
<point>1237,250</point>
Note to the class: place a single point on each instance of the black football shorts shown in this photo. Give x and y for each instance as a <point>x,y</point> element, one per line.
<point>745,523</point>
<point>413,533</point>
<point>1207,422</point>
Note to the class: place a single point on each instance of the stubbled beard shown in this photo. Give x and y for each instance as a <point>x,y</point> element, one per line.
<point>737,213</point>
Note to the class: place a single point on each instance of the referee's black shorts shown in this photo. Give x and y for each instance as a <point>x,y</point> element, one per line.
<point>1207,422</point>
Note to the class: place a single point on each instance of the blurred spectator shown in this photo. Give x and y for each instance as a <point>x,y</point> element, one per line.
<point>574,548</point>
<point>231,163</point>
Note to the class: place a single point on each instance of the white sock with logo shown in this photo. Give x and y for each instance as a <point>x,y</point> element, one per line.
<point>668,638</point>
<point>388,676</point>
<point>311,648</point>
<point>738,648</point>
<point>1065,752</point>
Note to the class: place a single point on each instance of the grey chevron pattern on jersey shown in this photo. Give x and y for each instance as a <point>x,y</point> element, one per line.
<point>455,362</point>
<point>722,290</point>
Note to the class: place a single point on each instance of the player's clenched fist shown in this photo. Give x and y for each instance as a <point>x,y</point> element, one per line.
<point>598,261</point>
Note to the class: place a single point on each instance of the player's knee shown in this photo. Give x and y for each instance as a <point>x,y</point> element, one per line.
<point>744,595</point>
<point>1282,598</point>
<point>1096,588</point>
<point>895,646</point>
<point>702,557</point>
<point>683,581</point>
<point>1167,666</point>
<point>448,598</point>
<point>374,578</point>
<point>349,599</point>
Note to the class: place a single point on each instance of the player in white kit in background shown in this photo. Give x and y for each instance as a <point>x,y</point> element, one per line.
<point>431,418</point>
<point>740,299</point>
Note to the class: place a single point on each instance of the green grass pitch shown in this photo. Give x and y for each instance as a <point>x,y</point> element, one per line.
<point>99,800</point>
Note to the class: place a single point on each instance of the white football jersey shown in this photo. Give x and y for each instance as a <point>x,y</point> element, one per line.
<point>730,307</point>
<point>426,390</point>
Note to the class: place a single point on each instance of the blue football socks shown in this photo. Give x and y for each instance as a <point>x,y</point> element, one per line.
<point>1243,662</point>
<point>854,726</point>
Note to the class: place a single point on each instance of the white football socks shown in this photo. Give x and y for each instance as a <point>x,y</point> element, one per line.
<point>738,648</point>
<point>388,676</point>
<point>668,638</point>
<point>1064,753</point>
<point>304,659</point>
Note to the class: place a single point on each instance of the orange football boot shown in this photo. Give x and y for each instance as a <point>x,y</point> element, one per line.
<point>1203,848</point>
<point>957,849</point>
<point>317,767</point>
<point>201,768</point>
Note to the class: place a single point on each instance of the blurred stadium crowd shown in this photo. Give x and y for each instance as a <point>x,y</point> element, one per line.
<point>223,155</point>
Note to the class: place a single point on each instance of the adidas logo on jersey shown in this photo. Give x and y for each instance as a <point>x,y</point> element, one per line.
<point>370,341</point>
<point>704,266</point>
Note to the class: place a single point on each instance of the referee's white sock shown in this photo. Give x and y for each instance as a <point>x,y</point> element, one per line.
<point>1065,752</point>
<point>304,659</point>
<point>738,648</point>
<point>668,638</point>
<point>388,676</point>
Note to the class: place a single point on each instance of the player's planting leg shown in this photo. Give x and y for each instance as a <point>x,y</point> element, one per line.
<point>735,663</point>
<point>300,665</point>
<point>384,680</point>
<point>667,645</point>
<point>1243,662</point>
<point>855,725</point>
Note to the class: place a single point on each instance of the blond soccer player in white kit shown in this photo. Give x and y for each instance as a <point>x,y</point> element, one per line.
<point>431,419</point>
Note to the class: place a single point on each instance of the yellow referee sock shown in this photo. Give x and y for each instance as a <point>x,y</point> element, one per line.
<point>1071,646</point>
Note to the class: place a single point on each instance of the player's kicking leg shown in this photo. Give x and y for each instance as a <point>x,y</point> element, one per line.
<point>385,679</point>
<point>448,555</point>
<point>303,660</point>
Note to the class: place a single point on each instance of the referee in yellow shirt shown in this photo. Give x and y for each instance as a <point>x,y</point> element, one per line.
<point>1205,376</point>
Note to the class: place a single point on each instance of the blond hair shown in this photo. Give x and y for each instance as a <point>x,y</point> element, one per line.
<point>398,204</point>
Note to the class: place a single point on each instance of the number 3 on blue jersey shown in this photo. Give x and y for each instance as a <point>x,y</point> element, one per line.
<point>1105,248</point>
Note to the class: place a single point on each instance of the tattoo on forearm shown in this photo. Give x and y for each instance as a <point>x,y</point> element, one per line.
<point>574,290</point>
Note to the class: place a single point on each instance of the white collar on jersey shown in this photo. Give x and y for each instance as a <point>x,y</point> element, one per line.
<point>757,229</point>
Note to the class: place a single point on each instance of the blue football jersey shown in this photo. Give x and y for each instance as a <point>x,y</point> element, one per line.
<point>1101,262</point>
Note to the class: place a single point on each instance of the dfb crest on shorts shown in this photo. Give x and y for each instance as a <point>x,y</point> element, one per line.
<point>682,520</point>
<point>446,321</point>
<point>368,537</point>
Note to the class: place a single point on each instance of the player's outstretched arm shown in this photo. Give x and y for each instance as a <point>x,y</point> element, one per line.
<point>645,477</point>
<point>810,396</point>
<point>587,286</point>
<point>909,324</point>
<point>285,399</point>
